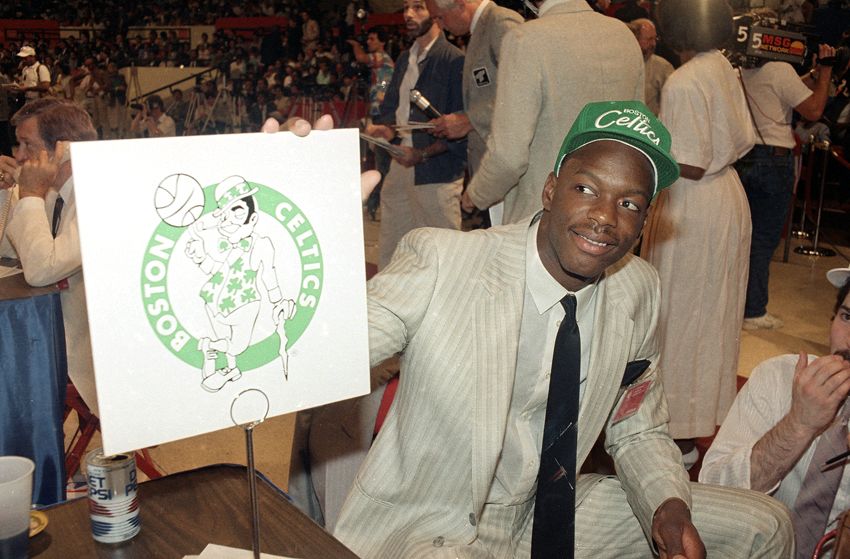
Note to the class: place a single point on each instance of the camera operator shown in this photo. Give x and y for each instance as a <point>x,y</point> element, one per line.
<point>767,172</point>
<point>380,65</point>
<point>151,120</point>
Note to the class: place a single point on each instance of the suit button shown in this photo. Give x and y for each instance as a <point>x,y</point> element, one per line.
<point>472,518</point>
<point>438,541</point>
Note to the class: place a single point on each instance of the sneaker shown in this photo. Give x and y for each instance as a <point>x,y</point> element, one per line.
<point>764,322</point>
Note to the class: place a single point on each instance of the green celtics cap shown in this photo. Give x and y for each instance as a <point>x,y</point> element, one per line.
<point>628,122</point>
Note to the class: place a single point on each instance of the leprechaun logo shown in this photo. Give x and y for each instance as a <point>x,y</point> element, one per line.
<point>231,277</point>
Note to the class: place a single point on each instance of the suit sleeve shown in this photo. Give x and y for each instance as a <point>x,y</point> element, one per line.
<point>458,147</point>
<point>399,296</point>
<point>648,463</point>
<point>45,260</point>
<point>515,116</point>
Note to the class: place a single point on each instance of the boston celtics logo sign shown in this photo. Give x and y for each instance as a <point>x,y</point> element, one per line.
<point>231,276</point>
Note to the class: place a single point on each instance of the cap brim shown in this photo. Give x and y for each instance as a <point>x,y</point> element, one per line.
<point>838,276</point>
<point>666,168</point>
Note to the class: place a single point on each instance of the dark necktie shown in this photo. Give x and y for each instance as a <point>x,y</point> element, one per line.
<point>810,512</point>
<point>553,533</point>
<point>57,214</point>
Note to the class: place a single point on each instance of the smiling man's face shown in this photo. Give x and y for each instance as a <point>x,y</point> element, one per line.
<point>594,211</point>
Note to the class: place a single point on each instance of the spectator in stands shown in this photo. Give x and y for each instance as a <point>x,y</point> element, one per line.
<point>309,30</point>
<point>151,121</point>
<point>5,113</point>
<point>177,110</point>
<point>380,65</point>
<point>656,69</point>
<point>115,102</point>
<point>34,80</point>
<point>787,420</point>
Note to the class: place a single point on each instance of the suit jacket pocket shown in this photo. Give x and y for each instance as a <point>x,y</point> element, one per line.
<point>634,369</point>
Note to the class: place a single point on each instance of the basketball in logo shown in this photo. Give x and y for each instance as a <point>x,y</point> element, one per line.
<point>179,200</point>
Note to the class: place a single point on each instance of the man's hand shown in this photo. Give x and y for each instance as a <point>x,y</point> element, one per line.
<point>825,51</point>
<point>818,390</point>
<point>195,250</point>
<point>466,203</point>
<point>8,172</point>
<point>674,534</point>
<point>452,126</point>
<point>38,175</point>
<point>380,131</point>
<point>300,127</point>
<point>409,157</point>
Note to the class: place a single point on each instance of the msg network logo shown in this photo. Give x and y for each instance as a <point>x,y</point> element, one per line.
<point>231,277</point>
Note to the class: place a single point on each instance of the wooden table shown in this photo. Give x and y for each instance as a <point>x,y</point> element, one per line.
<point>182,513</point>
<point>15,287</point>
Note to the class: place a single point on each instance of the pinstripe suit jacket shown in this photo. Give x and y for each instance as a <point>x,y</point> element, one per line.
<point>452,302</point>
<point>480,75</point>
<point>549,69</point>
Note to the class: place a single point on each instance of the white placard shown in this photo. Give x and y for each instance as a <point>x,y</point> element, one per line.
<point>195,297</point>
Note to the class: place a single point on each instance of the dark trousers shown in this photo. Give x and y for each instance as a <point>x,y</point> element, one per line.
<point>768,179</point>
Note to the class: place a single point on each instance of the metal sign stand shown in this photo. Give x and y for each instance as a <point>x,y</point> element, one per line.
<point>814,249</point>
<point>246,406</point>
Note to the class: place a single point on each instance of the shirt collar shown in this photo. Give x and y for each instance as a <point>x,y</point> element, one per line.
<point>422,54</point>
<point>65,191</point>
<point>548,5</point>
<point>545,291</point>
<point>477,15</point>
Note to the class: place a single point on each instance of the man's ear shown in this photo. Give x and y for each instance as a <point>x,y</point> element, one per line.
<point>549,191</point>
<point>61,153</point>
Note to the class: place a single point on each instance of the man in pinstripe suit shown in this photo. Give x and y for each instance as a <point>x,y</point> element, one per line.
<point>453,471</point>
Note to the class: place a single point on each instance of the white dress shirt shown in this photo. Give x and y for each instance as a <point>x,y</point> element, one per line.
<point>47,260</point>
<point>542,314</point>
<point>761,403</point>
<point>402,113</point>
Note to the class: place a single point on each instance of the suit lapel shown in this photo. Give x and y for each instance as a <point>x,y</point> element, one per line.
<point>608,354</point>
<point>494,349</point>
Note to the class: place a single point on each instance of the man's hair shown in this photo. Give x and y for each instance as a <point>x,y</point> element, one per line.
<point>842,295</point>
<point>697,25</point>
<point>58,120</point>
<point>637,24</point>
<point>446,4</point>
<point>381,33</point>
<point>154,101</point>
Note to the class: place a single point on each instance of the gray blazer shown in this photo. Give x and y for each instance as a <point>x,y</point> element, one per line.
<point>452,302</point>
<point>550,68</point>
<point>480,75</point>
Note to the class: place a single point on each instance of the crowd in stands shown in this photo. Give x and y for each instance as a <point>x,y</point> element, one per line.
<point>263,73</point>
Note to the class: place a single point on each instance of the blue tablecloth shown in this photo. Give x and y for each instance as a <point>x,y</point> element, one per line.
<point>33,377</point>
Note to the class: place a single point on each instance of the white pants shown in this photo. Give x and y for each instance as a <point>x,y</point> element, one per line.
<point>406,206</point>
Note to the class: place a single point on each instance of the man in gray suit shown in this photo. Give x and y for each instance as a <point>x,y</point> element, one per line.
<point>550,67</point>
<point>487,23</point>
<point>454,470</point>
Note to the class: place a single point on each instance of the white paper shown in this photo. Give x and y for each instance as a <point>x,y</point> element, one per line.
<point>158,293</point>
<point>215,551</point>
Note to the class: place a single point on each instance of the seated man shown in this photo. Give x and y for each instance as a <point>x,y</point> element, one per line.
<point>42,224</point>
<point>479,452</point>
<point>787,421</point>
